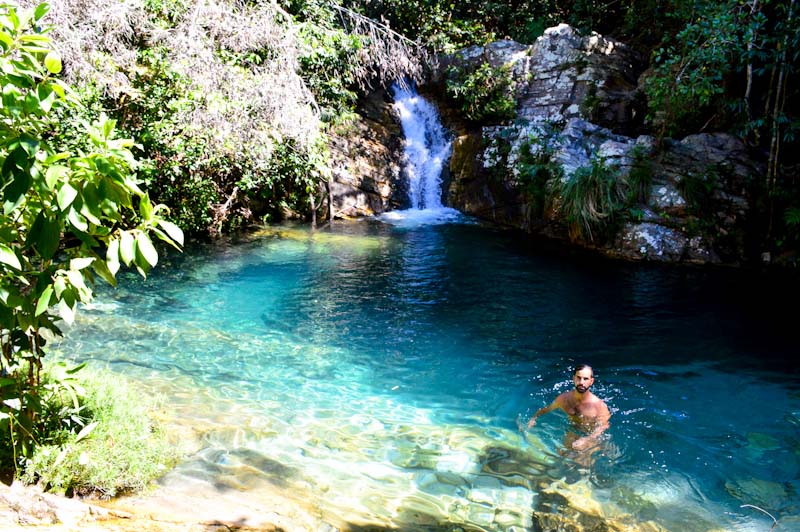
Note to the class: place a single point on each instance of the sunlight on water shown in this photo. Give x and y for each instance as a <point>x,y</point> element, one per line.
<point>376,372</point>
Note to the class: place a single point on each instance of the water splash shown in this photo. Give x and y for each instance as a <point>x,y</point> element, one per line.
<point>427,149</point>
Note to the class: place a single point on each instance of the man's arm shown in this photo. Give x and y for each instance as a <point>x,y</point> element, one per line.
<point>545,409</point>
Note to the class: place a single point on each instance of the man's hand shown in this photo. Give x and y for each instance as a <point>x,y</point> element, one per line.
<point>581,444</point>
<point>532,422</point>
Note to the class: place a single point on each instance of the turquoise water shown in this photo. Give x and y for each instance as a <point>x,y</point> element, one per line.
<point>377,370</point>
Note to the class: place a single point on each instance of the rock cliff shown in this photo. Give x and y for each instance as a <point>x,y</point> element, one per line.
<point>366,156</point>
<point>579,116</point>
<point>579,108</point>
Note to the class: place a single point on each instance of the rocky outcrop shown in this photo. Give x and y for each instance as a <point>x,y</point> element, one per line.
<point>365,158</point>
<point>564,76</point>
<point>578,108</point>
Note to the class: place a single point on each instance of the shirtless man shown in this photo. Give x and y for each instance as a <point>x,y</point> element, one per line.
<point>587,411</point>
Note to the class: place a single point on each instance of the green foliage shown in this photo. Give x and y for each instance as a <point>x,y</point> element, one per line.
<point>592,199</point>
<point>328,66</point>
<point>791,221</point>
<point>640,176</point>
<point>687,85</point>
<point>699,192</point>
<point>442,26</point>
<point>792,218</point>
<point>175,168</point>
<point>68,218</point>
<point>57,403</point>
<point>538,168</point>
<point>108,441</point>
<point>286,185</point>
<point>483,95</point>
<point>167,11</point>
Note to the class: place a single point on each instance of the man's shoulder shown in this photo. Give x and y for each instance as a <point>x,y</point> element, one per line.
<point>599,403</point>
<point>563,396</point>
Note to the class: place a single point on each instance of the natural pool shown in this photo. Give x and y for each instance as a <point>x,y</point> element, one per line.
<point>376,370</point>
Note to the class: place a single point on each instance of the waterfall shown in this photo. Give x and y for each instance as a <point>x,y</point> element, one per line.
<point>427,147</point>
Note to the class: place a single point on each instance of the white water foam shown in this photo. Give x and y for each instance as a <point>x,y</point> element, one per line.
<point>427,147</point>
<point>410,218</point>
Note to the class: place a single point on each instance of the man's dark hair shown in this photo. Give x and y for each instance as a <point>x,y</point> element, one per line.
<point>582,366</point>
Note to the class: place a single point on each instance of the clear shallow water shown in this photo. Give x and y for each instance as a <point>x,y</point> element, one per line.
<point>377,371</point>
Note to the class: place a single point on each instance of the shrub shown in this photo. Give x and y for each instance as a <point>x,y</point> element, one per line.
<point>103,439</point>
<point>591,199</point>
<point>483,95</point>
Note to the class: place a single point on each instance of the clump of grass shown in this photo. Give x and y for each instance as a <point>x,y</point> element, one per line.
<point>591,199</point>
<point>120,448</point>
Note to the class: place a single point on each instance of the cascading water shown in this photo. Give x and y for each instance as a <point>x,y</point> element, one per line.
<point>427,150</point>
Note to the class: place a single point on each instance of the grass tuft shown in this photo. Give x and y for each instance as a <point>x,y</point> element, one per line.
<point>120,448</point>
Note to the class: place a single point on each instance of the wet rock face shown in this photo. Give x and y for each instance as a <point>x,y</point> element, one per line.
<point>578,106</point>
<point>365,160</point>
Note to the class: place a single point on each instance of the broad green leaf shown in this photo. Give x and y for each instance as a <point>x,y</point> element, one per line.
<point>103,270</point>
<point>143,269</point>
<point>145,247</point>
<point>59,285</point>
<point>76,280</point>
<point>49,238</point>
<point>80,263</point>
<point>25,321</point>
<point>16,166</point>
<point>54,158</point>
<point>174,232</point>
<point>146,208</point>
<point>6,41</point>
<point>44,301</point>
<point>7,256</point>
<point>77,221</point>
<point>54,174</point>
<point>29,144</point>
<point>66,311</point>
<point>52,62</point>
<point>35,230</point>
<point>112,257</point>
<point>60,90</point>
<point>127,247</point>
<point>89,215</point>
<point>66,195</point>
<point>108,126</point>
<point>91,204</point>
<point>41,10</point>
<point>85,431</point>
<point>13,404</point>
<point>46,97</point>
<point>112,252</point>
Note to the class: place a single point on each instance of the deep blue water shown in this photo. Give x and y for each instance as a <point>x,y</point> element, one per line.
<point>395,360</point>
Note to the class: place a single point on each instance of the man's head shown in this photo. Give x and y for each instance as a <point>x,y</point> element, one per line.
<point>583,377</point>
